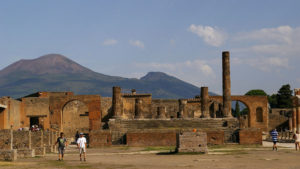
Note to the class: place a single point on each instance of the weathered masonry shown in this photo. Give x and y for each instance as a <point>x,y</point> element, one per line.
<point>129,118</point>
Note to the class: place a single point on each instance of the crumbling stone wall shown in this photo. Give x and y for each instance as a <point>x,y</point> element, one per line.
<point>22,139</point>
<point>6,139</point>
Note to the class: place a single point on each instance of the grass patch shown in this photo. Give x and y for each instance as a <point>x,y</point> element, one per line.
<point>164,148</point>
<point>5,164</point>
<point>124,148</point>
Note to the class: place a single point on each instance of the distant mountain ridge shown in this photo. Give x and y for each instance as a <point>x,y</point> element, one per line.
<point>55,72</point>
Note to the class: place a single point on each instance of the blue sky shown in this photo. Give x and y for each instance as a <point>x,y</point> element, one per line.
<point>182,38</point>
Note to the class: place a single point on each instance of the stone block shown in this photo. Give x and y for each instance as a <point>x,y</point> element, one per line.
<point>8,155</point>
<point>192,142</point>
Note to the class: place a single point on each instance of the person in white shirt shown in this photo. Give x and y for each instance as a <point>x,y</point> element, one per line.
<point>297,139</point>
<point>81,144</point>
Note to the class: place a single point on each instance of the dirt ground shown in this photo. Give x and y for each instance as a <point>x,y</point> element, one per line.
<point>117,157</point>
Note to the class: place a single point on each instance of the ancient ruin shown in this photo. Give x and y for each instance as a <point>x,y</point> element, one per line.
<point>138,120</point>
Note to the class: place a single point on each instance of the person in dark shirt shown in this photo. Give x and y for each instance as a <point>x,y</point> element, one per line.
<point>274,135</point>
<point>62,143</point>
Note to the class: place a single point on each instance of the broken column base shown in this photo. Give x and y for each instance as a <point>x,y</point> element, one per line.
<point>192,142</point>
<point>8,155</point>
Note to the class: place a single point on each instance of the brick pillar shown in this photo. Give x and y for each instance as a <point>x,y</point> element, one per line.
<point>204,102</point>
<point>290,123</point>
<point>182,108</point>
<point>117,102</point>
<point>138,109</point>
<point>161,112</point>
<point>226,84</point>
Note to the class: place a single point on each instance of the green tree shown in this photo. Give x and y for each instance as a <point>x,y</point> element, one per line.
<point>284,97</point>
<point>256,92</point>
<point>237,109</point>
<point>273,100</point>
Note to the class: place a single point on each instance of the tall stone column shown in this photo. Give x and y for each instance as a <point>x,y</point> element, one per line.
<point>182,108</point>
<point>204,102</point>
<point>117,102</point>
<point>226,84</point>
<point>294,120</point>
<point>138,109</point>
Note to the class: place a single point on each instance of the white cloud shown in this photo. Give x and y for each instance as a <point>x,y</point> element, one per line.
<point>192,66</point>
<point>210,35</point>
<point>281,34</point>
<point>137,43</point>
<point>110,42</point>
<point>268,49</point>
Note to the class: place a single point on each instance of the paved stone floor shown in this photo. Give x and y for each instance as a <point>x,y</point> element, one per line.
<point>219,157</point>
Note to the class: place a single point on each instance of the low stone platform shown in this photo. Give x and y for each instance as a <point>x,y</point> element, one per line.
<point>8,155</point>
<point>192,142</point>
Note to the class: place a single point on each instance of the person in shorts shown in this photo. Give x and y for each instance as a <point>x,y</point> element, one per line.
<point>274,135</point>
<point>297,140</point>
<point>62,144</point>
<point>81,144</point>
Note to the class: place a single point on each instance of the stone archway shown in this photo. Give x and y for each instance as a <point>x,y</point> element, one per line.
<point>75,117</point>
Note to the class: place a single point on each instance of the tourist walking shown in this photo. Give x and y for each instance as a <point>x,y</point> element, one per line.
<point>62,144</point>
<point>274,135</point>
<point>81,144</point>
<point>297,140</point>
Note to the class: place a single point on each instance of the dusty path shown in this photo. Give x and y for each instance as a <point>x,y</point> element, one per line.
<point>226,157</point>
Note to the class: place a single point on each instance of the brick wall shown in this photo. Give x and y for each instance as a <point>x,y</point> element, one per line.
<point>151,138</point>
<point>250,136</point>
<point>99,138</point>
<point>215,137</point>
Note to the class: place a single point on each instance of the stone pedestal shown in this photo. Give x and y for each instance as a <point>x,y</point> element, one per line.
<point>192,142</point>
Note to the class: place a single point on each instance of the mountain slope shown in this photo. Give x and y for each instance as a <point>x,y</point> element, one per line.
<point>55,72</point>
